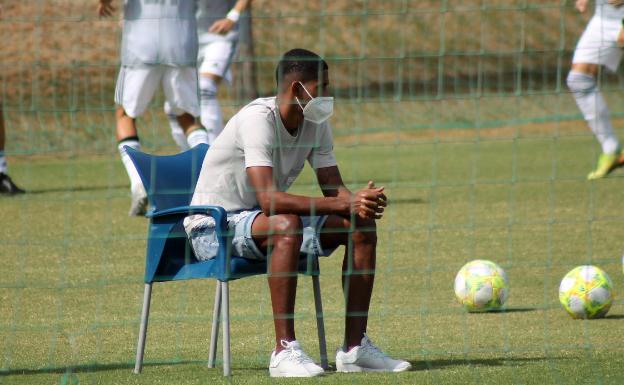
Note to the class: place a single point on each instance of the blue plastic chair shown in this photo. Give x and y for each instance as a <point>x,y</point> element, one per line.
<point>170,182</point>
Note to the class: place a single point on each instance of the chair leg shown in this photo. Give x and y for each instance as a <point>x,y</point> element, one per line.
<point>225,315</point>
<point>147,295</point>
<point>214,335</point>
<point>318,305</point>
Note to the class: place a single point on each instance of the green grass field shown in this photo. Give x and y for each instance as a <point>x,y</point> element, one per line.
<point>72,266</point>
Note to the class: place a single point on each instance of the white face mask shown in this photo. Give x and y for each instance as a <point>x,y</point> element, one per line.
<point>318,109</point>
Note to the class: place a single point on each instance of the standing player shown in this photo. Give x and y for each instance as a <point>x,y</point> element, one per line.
<point>158,47</point>
<point>598,47</point>
<point>6,184</point>
<point>248,171</point>
<point>217,29</point>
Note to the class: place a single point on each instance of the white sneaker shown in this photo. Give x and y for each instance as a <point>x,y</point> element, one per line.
<point>138,207</point>
<point>368,358</point>
<point>293,362</point>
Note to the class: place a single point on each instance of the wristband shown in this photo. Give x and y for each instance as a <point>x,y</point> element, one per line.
<point>233,15</point>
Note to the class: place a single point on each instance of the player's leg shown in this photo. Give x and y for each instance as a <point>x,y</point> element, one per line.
<point>280,238</point>
<point>180,88</point>
<point>177,133</point>
<point>583,85</point>
<point>135,89</point>
<point>597,50</point>
<point>215,58</point>
<point>211,115</point>
<point>6,184</point>
<point>359,237</point>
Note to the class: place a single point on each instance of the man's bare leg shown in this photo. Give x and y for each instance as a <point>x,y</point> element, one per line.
<point>358,275</point>
<point>280,236</point>
<point>358,270</point>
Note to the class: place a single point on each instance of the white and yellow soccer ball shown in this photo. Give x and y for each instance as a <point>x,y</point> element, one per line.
<point>481,285</point>
<point>586,292</point>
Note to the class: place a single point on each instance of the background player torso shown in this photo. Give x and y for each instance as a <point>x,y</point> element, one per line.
<point>159,32</point>
<point>607,11</point>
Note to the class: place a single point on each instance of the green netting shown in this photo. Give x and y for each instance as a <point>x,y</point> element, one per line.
<point>458,107</point>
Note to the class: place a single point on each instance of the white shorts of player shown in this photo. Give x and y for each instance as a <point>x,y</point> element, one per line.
<point>598,44</point>
<point>216,55</point>
<point>136,87</point>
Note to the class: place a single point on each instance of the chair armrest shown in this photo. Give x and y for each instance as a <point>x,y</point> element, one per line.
<point>217,212</point>
<point>220,216</point>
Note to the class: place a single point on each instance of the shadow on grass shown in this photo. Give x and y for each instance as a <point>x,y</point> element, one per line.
<point>507,310</point>
<point>614,316</point>
<point>445,363</point>
<point>416,201</point>
<point>75,189</point>
<point>86,368</point>
<point>513,310</point>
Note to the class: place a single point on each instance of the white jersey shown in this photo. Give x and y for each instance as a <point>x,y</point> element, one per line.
<point>209,11</point>
<point>159,32</point>
<point>608,11</point>
<point>256,136</point>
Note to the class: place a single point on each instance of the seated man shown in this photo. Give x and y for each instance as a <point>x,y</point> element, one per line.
<point>248,170</point>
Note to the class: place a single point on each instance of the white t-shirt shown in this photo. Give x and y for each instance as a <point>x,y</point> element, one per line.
<point>209,11</point>
<point>159,32</point>
<point>608,11</point>
<point>256,136</point>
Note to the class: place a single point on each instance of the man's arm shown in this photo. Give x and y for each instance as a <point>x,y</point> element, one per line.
<point>366,203</point>
<point>224,26</point>
<point>331,183</point>
<point>273,202</point>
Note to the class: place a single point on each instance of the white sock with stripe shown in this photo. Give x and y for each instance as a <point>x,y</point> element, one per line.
<point>135,180</point>
<point>197,136</point>
<point>211,117</point>
<point>3,163</point>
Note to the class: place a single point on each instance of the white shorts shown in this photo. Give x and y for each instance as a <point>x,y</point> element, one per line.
<point>136,87</point>
<point>598,44</point>
<point>216,58</point>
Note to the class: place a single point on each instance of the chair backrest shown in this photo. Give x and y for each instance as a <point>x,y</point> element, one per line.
<point>169,180</point>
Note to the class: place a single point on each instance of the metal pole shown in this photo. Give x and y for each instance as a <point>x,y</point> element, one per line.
<point>214,335</point>
<point>225,314</point>
<point>318,305</point>
<point>147,295</point>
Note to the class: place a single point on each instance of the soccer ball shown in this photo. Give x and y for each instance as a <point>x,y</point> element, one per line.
<point>481,285</point>
<point>586,292</point>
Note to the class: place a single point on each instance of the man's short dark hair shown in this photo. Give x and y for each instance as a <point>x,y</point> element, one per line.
<point>306,64</point>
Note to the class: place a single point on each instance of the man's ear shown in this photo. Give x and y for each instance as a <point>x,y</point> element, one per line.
<point>295,89</point>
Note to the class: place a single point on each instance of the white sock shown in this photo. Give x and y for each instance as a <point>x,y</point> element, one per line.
<point>135,180</point>
<point>176,130</point>
<point>3,163</point>
<point>197,137</point>
<point>594,108</point>
<point>211,117</point>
